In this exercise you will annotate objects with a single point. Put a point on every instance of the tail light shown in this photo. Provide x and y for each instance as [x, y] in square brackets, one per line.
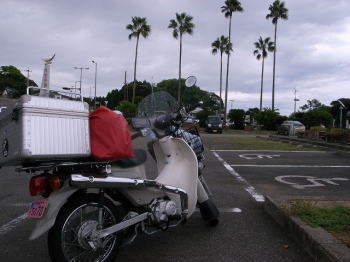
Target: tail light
[37, 185]
[55, 183]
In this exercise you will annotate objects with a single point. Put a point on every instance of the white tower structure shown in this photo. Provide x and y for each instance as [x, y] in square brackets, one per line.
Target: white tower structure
[45, 83]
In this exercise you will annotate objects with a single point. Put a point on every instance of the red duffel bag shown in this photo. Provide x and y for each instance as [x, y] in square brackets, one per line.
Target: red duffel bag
[109, 135]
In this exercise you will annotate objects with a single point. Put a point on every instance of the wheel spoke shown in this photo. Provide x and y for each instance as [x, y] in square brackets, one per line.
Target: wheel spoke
[80, 222]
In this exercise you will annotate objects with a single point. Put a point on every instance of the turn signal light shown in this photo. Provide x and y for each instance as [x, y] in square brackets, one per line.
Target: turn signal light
[55, 183]
[37, 185]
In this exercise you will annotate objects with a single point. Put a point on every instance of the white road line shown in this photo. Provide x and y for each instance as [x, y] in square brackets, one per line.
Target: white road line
[279, 151]
[291, 166]
[247, 187]
[12, 224]
[226, 210]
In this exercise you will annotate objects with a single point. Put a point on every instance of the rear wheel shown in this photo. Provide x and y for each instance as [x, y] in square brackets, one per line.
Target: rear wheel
[67, 239]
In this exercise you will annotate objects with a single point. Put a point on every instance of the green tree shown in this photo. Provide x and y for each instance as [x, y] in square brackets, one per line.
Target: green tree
[221, 45]
[11, 77]
[277, 11]
[128, 109]
[228, 9]
[317, 117]
[181, 25]
[192, 95]
[115, 96]
[263, 46]
[237, 116]
[138, 27]
[269, 119]
[252, 112]
[311, 105]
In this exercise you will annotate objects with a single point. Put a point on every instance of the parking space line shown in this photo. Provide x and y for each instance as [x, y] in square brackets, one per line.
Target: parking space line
[226, 210]
[291, 166]
[247, 187]
[278, 151]
[12, 224]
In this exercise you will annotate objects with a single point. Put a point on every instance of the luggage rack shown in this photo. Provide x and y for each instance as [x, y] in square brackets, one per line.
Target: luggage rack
[104, 167]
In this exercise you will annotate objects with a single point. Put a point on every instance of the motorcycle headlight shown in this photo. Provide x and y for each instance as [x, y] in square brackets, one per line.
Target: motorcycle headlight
[220, 125]
[209, 125]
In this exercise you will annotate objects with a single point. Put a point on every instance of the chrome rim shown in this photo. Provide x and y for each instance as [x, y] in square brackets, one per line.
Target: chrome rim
[80, 223]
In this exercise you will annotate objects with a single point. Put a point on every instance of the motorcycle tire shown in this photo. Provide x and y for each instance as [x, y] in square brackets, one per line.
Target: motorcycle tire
[72, 223]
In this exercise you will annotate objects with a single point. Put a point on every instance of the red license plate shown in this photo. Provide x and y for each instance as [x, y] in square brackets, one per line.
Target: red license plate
[37, 208]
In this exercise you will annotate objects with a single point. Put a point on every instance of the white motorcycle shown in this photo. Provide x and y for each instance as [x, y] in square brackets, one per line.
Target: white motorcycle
[91, 209]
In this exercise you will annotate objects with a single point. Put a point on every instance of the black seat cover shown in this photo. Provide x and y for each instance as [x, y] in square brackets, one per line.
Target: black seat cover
[139, 158]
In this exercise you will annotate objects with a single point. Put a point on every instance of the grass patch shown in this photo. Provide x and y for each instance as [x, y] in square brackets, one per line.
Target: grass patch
[251, 143]
[334, 219]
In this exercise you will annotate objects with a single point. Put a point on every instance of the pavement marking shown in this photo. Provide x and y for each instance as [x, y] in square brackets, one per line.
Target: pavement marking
[226, 210]
[291, 166]
[257, 156]
[277, 151]
[247, 187]
[311, 180]
[12, 224]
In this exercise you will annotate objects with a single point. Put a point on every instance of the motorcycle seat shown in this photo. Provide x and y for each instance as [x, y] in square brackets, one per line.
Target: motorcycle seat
[140, 157]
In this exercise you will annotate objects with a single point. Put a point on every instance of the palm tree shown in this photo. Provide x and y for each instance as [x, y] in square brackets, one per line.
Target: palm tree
[138, 27]
[263, 46]
[182, 25]
[222, 45]
[277, 11]
[228, 9]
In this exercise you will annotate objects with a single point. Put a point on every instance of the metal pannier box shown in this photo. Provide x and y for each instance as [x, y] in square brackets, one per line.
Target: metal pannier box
[43, 129]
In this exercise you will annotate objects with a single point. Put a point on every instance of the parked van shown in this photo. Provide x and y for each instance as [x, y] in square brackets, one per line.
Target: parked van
[214, 124]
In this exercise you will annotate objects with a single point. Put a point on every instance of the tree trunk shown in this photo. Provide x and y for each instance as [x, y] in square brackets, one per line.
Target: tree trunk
[221, 76]
[227, 70]
[179, 91]
[262, 83]
[134, 85]
[274, 69]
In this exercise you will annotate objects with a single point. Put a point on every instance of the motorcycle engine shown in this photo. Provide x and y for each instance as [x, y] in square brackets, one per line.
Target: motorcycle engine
[163, 209]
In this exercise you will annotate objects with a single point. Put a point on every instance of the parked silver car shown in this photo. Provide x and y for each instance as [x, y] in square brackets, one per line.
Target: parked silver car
[289, 127]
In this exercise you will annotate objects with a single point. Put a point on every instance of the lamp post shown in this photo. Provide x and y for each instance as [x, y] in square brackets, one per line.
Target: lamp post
[342, 106]
[94, 62]
[81, 74]
[231, 100]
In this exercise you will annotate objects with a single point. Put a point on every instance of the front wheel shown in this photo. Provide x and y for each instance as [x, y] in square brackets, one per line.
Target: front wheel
[67, 239]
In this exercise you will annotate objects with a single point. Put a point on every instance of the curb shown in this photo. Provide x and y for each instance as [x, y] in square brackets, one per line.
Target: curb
[317, 242]
[340, 149]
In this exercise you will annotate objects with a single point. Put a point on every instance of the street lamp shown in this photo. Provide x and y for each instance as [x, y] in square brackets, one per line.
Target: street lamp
[81, 74]
[342, 106]
[94, 62]
[231, 100]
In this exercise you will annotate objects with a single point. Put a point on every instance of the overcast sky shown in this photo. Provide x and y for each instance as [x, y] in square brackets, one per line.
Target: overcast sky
[313, 46]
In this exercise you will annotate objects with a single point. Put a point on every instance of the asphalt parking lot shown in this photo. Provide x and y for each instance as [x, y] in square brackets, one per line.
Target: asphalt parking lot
[280, 174]
[239, 181]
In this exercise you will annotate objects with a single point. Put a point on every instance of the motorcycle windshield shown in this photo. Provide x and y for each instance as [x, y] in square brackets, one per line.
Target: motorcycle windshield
[157, 104]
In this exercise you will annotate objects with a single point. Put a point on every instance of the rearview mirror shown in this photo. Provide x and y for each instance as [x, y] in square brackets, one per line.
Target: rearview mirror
[190, 81]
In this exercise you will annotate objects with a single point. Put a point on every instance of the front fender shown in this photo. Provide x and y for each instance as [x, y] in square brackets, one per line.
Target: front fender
[56, 200]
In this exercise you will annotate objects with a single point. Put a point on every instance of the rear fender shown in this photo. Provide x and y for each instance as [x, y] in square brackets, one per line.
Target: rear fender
[56, 200]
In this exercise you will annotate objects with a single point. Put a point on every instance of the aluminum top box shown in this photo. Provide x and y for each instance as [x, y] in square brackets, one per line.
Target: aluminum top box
[44, 129]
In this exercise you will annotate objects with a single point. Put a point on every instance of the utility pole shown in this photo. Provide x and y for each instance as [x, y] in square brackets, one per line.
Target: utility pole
[295, 101]
[81, 75]
[28, 71]
[94, 62]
